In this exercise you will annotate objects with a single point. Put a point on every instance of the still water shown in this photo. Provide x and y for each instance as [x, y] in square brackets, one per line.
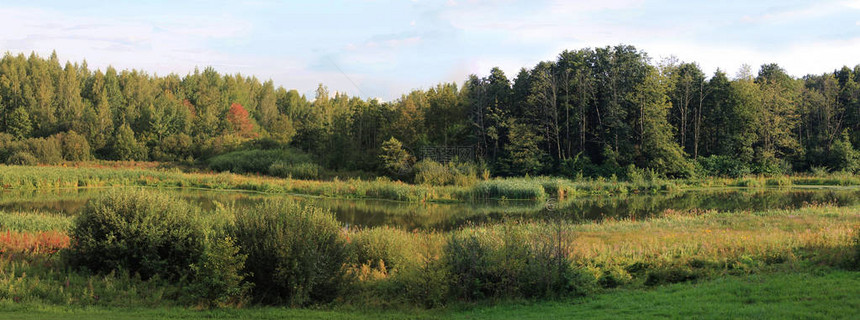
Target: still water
[447, 216]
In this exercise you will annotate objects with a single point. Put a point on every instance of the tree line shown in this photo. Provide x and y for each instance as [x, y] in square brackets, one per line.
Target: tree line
[591, 112]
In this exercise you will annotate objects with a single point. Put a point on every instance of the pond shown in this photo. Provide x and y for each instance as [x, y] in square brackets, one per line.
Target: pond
[447, 216]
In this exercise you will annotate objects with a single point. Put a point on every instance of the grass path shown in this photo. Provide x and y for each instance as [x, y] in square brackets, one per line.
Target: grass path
[829, 294]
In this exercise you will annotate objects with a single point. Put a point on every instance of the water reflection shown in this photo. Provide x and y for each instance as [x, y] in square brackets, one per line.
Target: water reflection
[444, 216]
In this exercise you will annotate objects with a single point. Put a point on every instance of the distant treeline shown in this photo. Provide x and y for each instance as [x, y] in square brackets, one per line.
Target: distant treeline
[592, 112]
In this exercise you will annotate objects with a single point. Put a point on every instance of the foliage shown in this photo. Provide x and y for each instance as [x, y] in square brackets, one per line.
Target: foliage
[511, 263]
[125, 145]
[22, 158]
[717, 165]
[75, 147]
[395, 159]
[295, 253]
[846, 158]
[431, 172]
[218, 277]
[144, 233]
[240, 121]
[276, 162]
[590, 112]
[19, 124]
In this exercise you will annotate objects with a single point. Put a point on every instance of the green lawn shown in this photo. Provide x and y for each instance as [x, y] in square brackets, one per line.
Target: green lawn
[825, 295]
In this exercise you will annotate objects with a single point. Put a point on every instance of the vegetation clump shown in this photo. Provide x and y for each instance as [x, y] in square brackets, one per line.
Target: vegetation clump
[296, 254]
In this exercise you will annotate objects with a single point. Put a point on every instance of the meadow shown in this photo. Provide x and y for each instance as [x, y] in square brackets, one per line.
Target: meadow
[56, 265]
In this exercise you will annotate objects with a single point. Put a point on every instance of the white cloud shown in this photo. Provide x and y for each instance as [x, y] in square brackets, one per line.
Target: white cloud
[161, 45]
[854, 4]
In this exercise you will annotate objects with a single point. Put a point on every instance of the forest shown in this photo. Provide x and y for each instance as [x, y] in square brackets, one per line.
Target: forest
[590, 113]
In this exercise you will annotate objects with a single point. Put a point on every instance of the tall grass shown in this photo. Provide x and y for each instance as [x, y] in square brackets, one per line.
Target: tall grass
[540, 188]
[512, 189]
[298, 255]
[34, 222]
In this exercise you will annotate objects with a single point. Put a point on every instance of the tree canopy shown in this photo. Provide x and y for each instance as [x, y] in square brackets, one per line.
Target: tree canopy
[589, 112]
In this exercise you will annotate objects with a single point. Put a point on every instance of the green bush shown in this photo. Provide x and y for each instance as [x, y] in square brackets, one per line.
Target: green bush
[382, 246]
[432, 173]
[22, 158]
[296, 254]
[218, 278]
[511, 263]
[454, 173]
[75, 147]
[276, 162]
[139, 232]
[724, 166]
[47, 150]
[174, 147]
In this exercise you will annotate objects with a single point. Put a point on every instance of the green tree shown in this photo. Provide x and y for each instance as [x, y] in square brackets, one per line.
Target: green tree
[655, 141]
[126, 146]
[846, 158]
[395, 159]
[18, 123]
[777, 117]
[75, 147]
[282, 129]
[524, 154]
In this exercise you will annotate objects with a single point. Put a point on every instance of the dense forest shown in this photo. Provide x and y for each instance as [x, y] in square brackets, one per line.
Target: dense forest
[591, 112]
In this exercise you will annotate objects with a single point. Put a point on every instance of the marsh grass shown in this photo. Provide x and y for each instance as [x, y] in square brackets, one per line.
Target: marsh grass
[536, 188]
[34, 222]
[389, 267]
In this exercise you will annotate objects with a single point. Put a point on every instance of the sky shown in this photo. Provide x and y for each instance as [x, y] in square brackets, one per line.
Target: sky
[383, 49]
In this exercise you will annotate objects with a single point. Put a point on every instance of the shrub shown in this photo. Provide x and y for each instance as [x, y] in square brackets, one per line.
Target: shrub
[139, 232]
[172, 148]
[75, 147]
[511, 263]
[296, 254]
[218, 277]
[819, 171]
[433, 173]
[22, 158]
[427, 284]
[614, 277]
[718, 165]
[47, 150]
[454, 173]
[382, 247]
[278, 162]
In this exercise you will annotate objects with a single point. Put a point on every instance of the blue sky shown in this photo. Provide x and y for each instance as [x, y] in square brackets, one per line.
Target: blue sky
[376, 48]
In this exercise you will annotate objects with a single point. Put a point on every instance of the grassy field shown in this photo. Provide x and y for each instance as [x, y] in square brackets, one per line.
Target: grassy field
[825, 294]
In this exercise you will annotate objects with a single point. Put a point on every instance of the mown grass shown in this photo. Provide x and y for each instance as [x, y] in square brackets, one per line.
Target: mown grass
[823, 294]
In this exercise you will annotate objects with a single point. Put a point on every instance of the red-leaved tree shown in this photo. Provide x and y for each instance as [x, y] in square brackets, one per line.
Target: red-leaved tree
[241, 121]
